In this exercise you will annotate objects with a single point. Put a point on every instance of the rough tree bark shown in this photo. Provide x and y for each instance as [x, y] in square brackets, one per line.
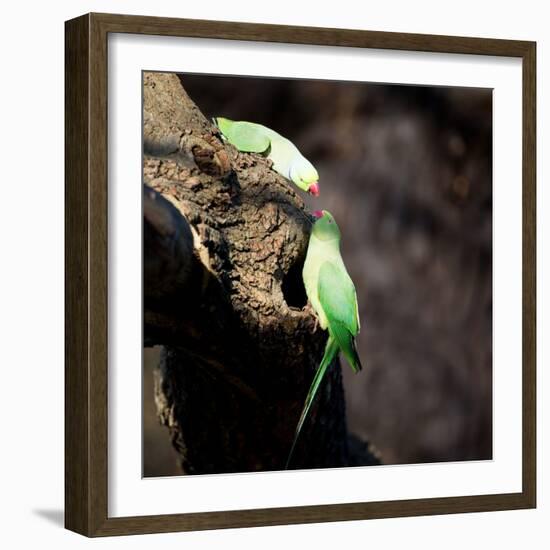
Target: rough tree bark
[225, 239]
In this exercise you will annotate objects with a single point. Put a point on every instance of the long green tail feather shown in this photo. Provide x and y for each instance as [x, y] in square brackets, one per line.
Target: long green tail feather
[331, 349]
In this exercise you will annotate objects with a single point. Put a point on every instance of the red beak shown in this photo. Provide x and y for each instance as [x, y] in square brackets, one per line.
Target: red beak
[318, 213]
[314, 189]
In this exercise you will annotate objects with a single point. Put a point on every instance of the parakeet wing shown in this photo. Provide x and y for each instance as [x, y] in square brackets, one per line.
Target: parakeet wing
[248, 137]
[339, 302]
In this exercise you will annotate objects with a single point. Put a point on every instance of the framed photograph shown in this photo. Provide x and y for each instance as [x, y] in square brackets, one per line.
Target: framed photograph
[300, 275]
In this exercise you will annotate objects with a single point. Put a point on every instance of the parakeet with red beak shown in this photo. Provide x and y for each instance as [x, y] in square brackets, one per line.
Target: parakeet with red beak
[287, 159]
[332, 295]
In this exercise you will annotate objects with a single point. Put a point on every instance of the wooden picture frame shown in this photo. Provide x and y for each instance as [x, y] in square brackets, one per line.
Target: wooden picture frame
[86, 283]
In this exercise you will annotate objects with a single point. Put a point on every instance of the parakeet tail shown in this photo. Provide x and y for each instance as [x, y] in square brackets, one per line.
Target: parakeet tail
[331, 349]
[223, 124]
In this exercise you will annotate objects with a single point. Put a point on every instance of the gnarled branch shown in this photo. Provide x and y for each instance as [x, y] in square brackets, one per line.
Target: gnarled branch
[240, 343]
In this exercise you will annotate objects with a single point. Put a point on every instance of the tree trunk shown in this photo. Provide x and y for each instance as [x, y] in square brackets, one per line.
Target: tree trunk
[225, 239]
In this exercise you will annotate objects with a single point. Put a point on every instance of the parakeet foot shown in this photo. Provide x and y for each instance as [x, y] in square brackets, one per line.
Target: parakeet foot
[308, 308]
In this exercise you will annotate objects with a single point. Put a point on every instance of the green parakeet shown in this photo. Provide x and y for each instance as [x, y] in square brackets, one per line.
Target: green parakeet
[287, 159]
[332, 295]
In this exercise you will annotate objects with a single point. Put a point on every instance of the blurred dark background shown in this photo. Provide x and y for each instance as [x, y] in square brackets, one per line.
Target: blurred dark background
[406, 171]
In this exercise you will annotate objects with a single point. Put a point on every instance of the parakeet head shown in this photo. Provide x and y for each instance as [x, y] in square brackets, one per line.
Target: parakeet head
[304, 175]
[325, 228]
